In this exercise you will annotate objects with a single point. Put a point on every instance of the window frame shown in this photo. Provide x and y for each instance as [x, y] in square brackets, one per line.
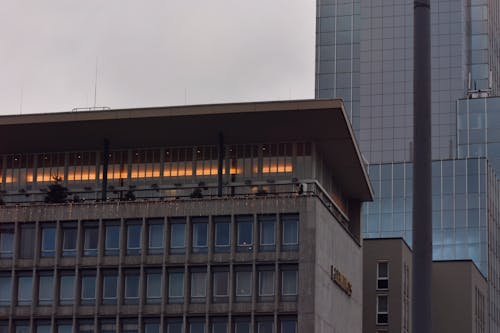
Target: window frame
[20, 301]
[45, 301]
[151, 223]
[174, 299]
[382, 313]
[48, 253]
[107, 299]
[219, 221]
[381, 279]
[108, 250]
[87, 277]
[66, 301]
[132, 224]
[266, 220]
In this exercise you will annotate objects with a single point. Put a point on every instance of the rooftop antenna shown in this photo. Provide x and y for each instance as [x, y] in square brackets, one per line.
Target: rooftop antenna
[95, 84]
[21, 100]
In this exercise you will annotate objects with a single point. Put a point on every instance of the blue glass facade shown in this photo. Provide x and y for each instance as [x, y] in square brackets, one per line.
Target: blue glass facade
[460, 207]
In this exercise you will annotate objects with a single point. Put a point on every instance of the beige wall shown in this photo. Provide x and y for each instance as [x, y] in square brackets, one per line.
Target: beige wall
[454, 286]
[397, 254]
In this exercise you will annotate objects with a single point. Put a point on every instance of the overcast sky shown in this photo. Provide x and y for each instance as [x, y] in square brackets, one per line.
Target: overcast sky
[153, 52]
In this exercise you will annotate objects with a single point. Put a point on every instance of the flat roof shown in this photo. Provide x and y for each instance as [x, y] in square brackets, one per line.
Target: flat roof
[322, 121]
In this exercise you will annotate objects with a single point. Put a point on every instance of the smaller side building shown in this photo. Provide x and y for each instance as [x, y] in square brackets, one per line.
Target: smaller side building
[459, 291]
[386, 285]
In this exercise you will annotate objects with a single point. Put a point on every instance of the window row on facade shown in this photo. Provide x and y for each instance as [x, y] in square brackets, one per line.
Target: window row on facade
[195, 284]
[239, 324]
[175, 163]
[220, 234]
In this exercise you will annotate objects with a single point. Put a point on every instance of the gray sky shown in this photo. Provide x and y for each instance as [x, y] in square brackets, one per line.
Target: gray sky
[153, 52]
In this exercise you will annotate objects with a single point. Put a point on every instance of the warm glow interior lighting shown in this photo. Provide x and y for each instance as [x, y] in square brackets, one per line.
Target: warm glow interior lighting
[280, 168]
[116, 172]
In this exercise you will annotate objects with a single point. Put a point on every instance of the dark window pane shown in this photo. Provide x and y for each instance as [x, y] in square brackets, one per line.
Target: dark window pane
[24, 290]
[200, 237]
[155, 238]
[69, 242]
[222, 236]
[134, 234]
[112, 242]
[109, 293]
[177, 237]
[45, 289]
[5, 290]
[91, 235]
[27, 242]
[48, 241]
[66, 289]
[153, 291]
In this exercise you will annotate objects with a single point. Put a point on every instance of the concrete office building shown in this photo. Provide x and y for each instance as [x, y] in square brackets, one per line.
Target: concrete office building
[217, 218]
[459, 290]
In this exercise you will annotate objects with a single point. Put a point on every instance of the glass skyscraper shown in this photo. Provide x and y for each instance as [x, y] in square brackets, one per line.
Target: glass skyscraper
[465, 37]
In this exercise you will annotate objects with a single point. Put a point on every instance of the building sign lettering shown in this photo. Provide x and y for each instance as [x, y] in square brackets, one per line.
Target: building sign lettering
[340, 280]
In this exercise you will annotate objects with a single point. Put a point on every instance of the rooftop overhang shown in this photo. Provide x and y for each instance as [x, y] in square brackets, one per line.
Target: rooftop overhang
[322, 121]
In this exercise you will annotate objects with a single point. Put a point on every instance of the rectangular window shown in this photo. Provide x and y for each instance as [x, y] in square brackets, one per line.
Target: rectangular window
[267, 224]
[244, 228]
[242, 325]
[198, 287]
[86, 326]
[6, 243]
[155, 236]
[43, 327]
[109, 288]
[107, 326]
[289, 282]
[382, 275]
[222, 233]
[200, 234]
[265, 326]
[112, 240]
[151, 326]
[88, 288]
[91, 235]
[24, 289]
[27, 242]
[288, 325]
[131, 288]
[64, 327]
[45, 289]
[22, 327]
[174, 326]
[134, 236]
[266, 283]
[66, 289]
[290, 232]
[48, 241]
[243, 285]
[176, 287]
[177, 236]
[69, 241]
[220, 288]
[219, 325]
[197, 327]
[5, 290]
[382, 310]
[129, 326]
[153, 287]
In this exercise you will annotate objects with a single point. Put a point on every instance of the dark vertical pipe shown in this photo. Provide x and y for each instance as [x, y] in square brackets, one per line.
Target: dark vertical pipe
[422, 193]
[105, 163]
[221, 164]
